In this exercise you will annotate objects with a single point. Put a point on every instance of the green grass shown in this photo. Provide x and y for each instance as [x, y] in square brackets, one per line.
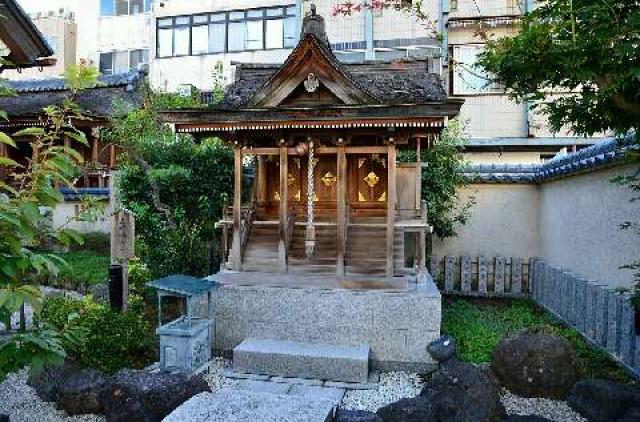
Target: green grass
[479, 325]
[84, 269]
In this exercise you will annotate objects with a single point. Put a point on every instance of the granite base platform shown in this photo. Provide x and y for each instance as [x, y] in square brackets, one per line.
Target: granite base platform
[396, 324]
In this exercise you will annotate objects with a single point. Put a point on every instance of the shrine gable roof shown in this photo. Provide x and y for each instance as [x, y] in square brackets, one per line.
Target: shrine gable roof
[312, 67]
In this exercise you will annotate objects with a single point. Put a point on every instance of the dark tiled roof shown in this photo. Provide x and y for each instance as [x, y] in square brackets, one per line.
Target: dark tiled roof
[183, 285]
[33, 95]
[385, 81]
[131, 78]
[598, 155]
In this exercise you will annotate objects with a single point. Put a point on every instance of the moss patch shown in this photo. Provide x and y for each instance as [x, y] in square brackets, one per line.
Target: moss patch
[478, 325]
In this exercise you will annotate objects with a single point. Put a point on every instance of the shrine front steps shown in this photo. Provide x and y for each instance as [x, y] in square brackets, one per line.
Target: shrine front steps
[284, 358]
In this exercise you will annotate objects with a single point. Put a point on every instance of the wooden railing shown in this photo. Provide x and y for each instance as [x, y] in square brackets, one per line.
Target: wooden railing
[246, 222]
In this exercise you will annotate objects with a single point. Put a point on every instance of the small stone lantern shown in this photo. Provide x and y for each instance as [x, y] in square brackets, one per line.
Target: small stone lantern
[185, 343]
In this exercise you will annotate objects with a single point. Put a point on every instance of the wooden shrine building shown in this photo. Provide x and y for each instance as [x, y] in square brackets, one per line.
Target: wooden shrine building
[328, 196]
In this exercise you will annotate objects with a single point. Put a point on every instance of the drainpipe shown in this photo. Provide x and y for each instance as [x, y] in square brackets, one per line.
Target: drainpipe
[528, 6]
[369, 53]
[299, 14]
[444, 31]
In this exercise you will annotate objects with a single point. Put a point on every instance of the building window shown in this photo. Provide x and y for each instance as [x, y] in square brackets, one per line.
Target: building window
[122, 61]
[124, 7]
[467, 77]
[240, 30]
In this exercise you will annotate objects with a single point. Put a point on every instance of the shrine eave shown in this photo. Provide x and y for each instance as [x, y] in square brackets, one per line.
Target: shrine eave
[333, 117]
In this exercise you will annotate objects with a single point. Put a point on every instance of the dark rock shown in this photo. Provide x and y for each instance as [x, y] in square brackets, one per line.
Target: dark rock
[47, 382]
[5, 418]
[462, 391]
[416, 409]
[632, 415]
[143, 396]
[443, 348]
[604, 400]
[81, 393]
[533, 364]
[525, 418]
[356, 416]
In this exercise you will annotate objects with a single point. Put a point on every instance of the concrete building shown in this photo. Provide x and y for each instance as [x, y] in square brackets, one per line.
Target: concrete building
[59, 30]
[192, 38]
[197, 43]
[114, 35]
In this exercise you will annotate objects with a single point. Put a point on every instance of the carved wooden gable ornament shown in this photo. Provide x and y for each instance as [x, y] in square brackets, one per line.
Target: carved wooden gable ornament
[311, 68]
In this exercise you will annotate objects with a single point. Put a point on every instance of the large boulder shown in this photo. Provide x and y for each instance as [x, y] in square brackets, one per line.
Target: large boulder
[80, 394]
[604, 400]
[458, 391]
[464, 392]
[525, 418]
[147, 397]
[344, 415]
[536, 364]
[47, 382]
[415, 409]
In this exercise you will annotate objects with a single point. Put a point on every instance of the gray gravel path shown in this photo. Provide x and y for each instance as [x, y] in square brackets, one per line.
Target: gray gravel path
[22, 404]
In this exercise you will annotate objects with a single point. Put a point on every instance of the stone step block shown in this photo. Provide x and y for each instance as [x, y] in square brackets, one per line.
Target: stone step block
[304, 360]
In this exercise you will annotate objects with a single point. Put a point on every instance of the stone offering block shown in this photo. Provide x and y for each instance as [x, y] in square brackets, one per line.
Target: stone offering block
[301, 359]
[242, 406]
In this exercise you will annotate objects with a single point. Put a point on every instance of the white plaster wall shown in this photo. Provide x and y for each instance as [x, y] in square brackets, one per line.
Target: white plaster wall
[64, 213]
[489, 116]
[504, 222]
[579, 218]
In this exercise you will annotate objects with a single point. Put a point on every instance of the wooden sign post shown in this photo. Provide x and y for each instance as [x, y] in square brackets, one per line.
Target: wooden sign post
[123, 230]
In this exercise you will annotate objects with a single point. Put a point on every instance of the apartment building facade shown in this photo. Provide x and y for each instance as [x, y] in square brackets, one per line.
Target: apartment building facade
[186, 43]
[60, 31]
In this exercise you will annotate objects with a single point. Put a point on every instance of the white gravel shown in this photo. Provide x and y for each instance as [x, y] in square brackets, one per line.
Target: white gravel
[393, 387]
[556, 410]
[214, 374]
[22, 404]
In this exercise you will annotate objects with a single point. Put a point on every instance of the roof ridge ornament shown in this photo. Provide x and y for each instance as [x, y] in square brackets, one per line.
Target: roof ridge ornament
[314, 24]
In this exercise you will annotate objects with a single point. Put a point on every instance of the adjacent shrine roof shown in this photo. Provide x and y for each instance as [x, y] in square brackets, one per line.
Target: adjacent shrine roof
[313, 89]
[33, 95]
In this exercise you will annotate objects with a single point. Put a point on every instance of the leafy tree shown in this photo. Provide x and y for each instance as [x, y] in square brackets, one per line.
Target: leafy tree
[175, 186]
[23, 194]
[442, 178]
[585, 49]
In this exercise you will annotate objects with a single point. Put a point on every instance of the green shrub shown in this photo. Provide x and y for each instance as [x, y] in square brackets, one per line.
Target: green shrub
[83, 269]
[113, 340]
[96, 242]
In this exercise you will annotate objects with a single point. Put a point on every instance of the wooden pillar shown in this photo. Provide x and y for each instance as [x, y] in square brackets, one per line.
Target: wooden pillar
[284, 194]
[418, 174]
[423, 235]
[112, 156]
[236, 253]
[391, 203]
[342, 207]
[94, 150]
[262, 180]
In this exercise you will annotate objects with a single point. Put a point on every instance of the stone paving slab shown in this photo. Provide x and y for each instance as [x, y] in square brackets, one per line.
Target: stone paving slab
[249, 406]
[263, 387]
[335, 395]
[292, 380]
[241, 375]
